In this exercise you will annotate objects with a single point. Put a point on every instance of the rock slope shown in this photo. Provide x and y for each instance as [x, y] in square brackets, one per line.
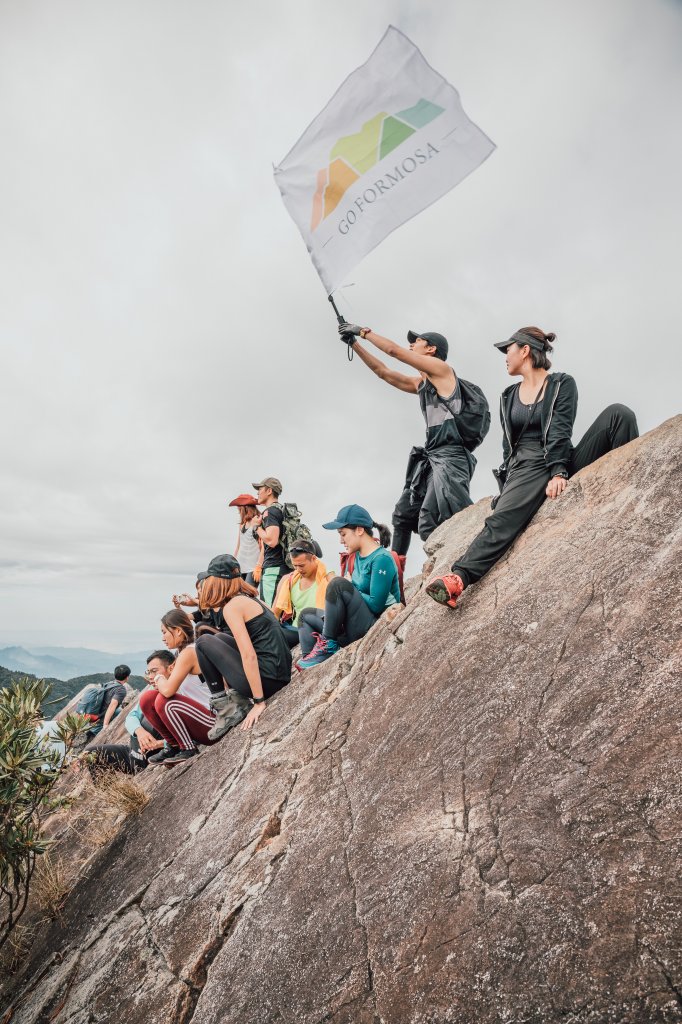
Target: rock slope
[469, 816]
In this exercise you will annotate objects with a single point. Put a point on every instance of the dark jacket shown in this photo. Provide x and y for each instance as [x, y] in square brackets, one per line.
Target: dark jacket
[557, 416]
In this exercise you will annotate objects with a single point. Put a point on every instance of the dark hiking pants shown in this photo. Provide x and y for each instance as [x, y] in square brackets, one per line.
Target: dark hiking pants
[524, 490]
[221, 664]
[436, 488]
[346, 617]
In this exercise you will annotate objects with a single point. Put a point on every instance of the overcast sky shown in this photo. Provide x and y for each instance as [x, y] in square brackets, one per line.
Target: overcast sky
[165, 338]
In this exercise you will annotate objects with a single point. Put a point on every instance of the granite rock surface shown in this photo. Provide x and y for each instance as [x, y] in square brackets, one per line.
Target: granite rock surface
[469, 816]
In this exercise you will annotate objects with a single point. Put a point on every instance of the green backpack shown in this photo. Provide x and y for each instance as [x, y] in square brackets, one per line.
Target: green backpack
[292, 528]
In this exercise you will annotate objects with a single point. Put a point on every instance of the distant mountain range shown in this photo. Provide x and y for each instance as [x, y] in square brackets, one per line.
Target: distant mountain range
[66, 662]
[61, 690]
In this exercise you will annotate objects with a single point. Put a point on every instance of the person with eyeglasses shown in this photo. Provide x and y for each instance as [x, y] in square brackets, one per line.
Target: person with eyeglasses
[305, 587]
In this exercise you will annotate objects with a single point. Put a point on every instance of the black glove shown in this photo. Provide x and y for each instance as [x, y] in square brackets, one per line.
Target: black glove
[345, 328]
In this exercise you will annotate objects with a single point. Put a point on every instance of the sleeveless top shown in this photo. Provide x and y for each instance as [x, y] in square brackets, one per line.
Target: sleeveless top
[249, 549]
[194, 688]
[267, 637]
[439, 414]
[520, 414]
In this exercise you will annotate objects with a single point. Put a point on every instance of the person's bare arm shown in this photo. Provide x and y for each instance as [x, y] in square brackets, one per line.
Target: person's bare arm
[185, 664]
[397, 380]
[234, 617]
[109, 713]
[436, 369]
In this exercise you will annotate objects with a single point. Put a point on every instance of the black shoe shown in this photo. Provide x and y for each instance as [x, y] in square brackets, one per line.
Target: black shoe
[178, 756]
[162, 755]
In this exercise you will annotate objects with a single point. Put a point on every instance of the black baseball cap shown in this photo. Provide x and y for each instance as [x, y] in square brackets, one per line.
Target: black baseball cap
[437, 340]
[225, 567]
[521, 338]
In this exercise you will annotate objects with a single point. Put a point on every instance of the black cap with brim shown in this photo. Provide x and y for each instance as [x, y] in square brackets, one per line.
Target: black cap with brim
[433, 338]
[225, 567]
[202, 576]
[521, 338]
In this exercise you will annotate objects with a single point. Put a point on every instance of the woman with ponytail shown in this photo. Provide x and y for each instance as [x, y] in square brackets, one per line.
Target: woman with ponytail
[178, 701]
[352, 606]
[537, 418]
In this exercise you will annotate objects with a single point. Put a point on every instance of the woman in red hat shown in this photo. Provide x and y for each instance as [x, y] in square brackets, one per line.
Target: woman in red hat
[249, 549]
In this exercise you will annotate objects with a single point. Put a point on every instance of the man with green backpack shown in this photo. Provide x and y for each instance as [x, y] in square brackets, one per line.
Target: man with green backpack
[279, 527]
[457, 420]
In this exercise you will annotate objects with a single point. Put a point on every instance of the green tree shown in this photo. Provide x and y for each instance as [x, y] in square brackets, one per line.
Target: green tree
[30, 766]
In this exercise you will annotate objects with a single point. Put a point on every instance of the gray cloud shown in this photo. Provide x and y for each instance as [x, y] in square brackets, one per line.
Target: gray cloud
[165, 338]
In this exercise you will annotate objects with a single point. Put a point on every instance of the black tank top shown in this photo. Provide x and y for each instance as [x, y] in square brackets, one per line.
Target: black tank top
[519, 415]
[439, 414]
[267, 637]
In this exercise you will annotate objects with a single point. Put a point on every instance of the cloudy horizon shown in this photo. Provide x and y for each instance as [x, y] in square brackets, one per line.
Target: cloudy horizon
[166, 340]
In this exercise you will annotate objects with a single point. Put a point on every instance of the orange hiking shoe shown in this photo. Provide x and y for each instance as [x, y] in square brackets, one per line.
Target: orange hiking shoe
[445, 589]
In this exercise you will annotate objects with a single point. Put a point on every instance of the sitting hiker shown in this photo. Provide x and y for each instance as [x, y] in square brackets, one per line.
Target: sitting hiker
[269, 529]
[178, 702]
[352, 606]
[249, 660]
[144, 741]
[457, 420]
[305, 587]
[249, 550]
[103, 703]
[537, 418]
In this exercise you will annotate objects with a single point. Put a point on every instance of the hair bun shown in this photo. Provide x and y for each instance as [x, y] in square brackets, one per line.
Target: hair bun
[550, 339]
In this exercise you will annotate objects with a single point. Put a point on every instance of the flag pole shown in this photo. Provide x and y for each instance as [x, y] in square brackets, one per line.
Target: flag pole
[346, 337]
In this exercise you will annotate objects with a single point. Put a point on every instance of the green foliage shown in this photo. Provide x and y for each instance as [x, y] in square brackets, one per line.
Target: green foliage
[29, 769]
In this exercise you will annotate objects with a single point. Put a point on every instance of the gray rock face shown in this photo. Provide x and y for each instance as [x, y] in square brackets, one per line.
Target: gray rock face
[469, 816]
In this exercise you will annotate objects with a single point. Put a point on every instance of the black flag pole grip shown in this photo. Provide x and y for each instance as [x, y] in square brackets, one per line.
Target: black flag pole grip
[347, 337]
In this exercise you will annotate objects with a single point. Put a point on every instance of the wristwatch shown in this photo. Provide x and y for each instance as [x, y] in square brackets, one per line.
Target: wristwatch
[258, 700]
[364, 332]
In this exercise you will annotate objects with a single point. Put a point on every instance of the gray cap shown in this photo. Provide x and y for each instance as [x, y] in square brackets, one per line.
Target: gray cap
[521, 338]
[272, 482]
[437, 340]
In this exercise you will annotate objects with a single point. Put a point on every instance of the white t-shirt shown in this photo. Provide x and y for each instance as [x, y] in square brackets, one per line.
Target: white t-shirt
[249, 550]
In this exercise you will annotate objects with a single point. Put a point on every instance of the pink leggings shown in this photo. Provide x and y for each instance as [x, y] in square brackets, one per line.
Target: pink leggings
[181, 721]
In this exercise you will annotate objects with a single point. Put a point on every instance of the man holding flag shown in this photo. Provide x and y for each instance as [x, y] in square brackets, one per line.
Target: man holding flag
[456, 416]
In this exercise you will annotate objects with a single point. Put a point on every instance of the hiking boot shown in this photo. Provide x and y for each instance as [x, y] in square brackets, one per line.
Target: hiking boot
[181, 755]
[163, 755]
[231, 709]
[445, 589]
[324, 648]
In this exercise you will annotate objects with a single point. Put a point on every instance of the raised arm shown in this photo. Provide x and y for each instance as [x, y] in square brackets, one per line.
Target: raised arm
[185, 664]
[397, 380]
[439, 372]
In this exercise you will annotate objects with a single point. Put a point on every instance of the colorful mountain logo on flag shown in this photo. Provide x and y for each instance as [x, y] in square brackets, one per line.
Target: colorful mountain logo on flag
[354, 155]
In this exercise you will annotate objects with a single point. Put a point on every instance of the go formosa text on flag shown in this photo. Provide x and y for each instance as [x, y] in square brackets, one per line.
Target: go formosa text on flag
[392, 140]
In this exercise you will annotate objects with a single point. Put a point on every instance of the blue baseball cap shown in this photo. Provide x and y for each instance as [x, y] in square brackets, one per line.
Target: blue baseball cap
[350, 515]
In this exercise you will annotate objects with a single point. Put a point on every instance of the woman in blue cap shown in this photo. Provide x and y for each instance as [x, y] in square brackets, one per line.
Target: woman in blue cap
[537, 417]
[352, 606]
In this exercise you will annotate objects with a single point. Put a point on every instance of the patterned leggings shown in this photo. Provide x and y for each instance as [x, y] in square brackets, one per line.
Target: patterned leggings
[181, 721]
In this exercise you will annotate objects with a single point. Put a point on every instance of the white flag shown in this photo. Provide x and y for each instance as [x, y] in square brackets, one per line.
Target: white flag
[392, 140]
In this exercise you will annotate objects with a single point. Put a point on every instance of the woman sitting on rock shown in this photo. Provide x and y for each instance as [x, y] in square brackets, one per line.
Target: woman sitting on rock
[537, 417]
[351, 606]
[249, 659]
[178, 706]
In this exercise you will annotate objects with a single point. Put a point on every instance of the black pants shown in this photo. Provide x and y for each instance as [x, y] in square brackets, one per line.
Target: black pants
[346, 616]
[290, 634]
[436, 488]
[524, 490]
[221, 665]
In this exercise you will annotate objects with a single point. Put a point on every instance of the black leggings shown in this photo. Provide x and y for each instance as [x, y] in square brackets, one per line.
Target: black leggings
[524, 490]
[115, 756]
[221, 665]
[346, 618]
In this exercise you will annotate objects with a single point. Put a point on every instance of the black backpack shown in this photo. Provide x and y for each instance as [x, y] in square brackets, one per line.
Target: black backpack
[473, 422]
